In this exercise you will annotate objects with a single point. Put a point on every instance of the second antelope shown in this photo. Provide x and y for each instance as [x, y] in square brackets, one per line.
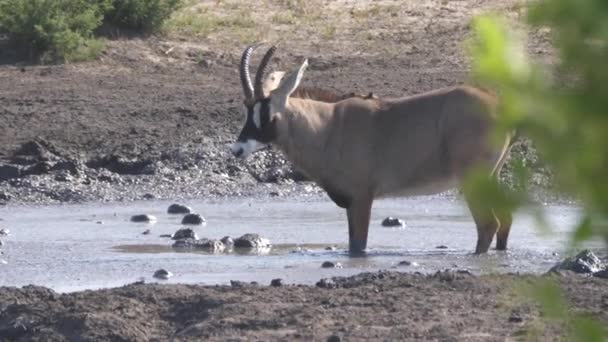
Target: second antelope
[360, 149]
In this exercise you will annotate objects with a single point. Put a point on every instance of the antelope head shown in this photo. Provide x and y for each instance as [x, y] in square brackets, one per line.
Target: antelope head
[264, 101]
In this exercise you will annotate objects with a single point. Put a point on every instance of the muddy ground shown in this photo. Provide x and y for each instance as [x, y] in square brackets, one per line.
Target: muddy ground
[382, 306]
[151, 118]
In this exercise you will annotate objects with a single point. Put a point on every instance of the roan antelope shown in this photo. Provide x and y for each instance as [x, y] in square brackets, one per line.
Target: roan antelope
[360, 149]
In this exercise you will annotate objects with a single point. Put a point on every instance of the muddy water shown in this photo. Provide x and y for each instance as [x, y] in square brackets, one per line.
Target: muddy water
[74, 247]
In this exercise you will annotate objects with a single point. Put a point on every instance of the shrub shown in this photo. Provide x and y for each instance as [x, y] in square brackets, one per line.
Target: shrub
[141, 15]
[53, 29]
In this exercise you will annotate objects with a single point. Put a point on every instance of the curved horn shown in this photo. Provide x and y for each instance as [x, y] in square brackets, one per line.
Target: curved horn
[262, 69]
[244, 71]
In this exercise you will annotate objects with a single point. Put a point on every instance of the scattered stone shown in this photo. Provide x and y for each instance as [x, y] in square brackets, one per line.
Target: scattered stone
[146, 232]
[184, 233]
[583, 262]
[237, 283]
[194, 219]
[515, 317]
[407, 263]
[329, 264]
[202, 244]
[393, 222]
[4, 232]
[178, 209]
[334, 338]
[149, 196]
[13, 332]
[251, 241]
[326, 284]
[227, 241]
[442, 247]
[143, 218]
[601, 274]
[278, 282]
[162, 274]
[8, 171]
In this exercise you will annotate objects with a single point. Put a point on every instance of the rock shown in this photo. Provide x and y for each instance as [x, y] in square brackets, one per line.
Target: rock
[330, 248]
[407, 263]
[442, 247]
[601, 274]
[120, 165]
[146, 232]
[13, 332]
[251, 241]
[583, 262]
[278, 282]
[329, 264]
[237, 283]
[162, 274]
[202, 244]
[326, 284]
[334, 338]
[165, 235]
[143, 218]
[40, 168]
[393, 222]
[184, 233]
[195, 219]
[515, 317]
[1, 243]
[178, 209]
[4, 232]
[227, 241]
[69, 166]
[148, 196]
[8, 171]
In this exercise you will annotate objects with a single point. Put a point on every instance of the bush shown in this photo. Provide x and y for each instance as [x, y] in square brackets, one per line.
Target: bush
[141, 15]
[53, 29]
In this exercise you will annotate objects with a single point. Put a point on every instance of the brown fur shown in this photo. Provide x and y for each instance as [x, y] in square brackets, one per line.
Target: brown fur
[324, 95]
[359, 150]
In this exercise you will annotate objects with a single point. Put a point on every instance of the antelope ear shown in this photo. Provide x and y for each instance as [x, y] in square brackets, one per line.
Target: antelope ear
[289, 84]
[272, 82]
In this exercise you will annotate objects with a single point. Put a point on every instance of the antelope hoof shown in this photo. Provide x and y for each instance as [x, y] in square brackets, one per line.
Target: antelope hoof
[357, 248]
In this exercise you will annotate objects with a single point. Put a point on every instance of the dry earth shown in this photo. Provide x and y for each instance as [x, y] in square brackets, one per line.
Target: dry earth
[152, 116]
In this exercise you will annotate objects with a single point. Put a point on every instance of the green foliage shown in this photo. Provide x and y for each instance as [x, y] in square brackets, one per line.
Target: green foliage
[141, 15]
[53, 29]
[566, 117]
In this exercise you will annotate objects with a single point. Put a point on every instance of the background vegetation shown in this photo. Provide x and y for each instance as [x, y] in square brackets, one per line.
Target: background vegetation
[52, 30]
[563, 108]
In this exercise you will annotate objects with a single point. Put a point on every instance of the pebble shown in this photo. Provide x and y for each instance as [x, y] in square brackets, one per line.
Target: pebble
[178, 209]
[184, 233]
[143, 218]
[407, 263]
[278, 282]
[326, 284]
[163, 274]
[393, 222]
[334, 338]
[329, 264]
[193, 219]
